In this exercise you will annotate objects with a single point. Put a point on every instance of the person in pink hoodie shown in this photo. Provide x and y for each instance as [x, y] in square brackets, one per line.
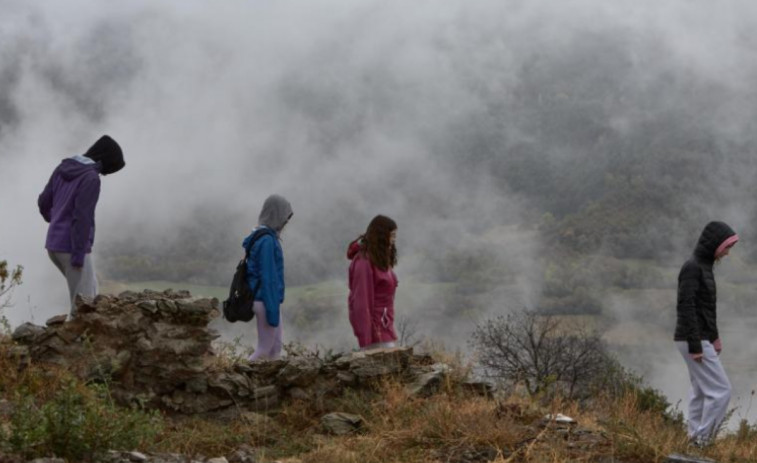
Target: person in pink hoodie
[373, 284]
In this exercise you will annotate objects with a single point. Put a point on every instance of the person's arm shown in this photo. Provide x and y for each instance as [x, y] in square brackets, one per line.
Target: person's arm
[717, 343]
[45, 200]
[688, 285]
[361, 300]
[268, 291]
[85, 200]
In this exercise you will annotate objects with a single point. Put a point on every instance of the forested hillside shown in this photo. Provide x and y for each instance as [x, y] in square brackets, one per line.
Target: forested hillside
[607, 148]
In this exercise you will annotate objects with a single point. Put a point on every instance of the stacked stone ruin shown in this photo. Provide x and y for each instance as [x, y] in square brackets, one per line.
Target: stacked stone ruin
[156, 348]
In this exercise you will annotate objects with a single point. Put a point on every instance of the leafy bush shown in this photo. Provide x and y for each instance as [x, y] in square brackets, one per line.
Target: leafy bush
[616, 381]
[79, 423]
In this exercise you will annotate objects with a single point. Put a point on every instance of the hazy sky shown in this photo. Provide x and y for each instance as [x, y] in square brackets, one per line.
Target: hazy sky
[336, 105]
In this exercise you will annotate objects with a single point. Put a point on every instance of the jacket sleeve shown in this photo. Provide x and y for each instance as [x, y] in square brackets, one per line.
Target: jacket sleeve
[250, 262]
[268, 291]
[83, 218]
[45, 200]
[688, 284]
[361, 300]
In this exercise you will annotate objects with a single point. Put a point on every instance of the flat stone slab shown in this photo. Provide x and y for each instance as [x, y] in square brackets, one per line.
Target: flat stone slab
[27, 332]
[56, 320]
[678, 458]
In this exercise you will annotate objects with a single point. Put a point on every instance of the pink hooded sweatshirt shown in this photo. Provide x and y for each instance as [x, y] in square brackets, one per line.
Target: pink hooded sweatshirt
[371, 299]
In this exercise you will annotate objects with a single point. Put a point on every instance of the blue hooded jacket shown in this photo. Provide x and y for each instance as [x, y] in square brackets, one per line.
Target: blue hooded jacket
[266, 266]
[266, 262]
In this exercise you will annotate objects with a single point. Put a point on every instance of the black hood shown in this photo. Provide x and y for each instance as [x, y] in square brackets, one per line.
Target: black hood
[712, 236]
[107, 152]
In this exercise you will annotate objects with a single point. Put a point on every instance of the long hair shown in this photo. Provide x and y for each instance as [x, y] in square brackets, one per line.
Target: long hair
[376, 245]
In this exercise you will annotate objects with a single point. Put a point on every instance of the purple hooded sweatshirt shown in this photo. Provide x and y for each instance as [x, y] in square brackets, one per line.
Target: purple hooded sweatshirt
[68, 204]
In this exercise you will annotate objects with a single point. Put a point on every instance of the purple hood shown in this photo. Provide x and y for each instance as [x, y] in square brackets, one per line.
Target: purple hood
[68, 204]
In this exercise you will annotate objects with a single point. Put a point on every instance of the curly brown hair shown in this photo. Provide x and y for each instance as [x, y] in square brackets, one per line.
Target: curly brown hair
[375, 243]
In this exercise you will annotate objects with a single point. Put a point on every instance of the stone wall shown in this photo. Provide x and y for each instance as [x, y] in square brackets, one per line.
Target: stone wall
[156, 348]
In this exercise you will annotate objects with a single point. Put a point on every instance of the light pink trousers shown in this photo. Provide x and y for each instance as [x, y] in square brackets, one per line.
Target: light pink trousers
[269, 337]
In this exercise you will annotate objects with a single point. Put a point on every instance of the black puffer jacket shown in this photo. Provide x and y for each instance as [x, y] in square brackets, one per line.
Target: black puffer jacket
[697, 296]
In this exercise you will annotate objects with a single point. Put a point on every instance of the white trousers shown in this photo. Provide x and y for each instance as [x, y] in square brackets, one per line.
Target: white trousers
[80, 280]
[710, 392]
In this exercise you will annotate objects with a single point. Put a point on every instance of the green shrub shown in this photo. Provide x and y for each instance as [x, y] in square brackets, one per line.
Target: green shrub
[25, 433]
[617, 382]
[79, 423]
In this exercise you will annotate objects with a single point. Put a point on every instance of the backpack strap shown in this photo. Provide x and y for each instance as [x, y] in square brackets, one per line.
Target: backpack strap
[255, 236]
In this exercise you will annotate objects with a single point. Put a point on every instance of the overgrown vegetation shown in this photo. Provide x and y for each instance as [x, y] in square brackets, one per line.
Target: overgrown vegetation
[78, 423]
[456, 426]
[52, 413]
[49, 412]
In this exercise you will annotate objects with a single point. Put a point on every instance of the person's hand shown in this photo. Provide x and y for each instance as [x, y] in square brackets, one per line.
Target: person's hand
[697, 357]
[77, 262]
[718, 345]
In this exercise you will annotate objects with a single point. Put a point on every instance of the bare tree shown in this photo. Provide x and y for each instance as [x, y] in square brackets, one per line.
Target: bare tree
[540, 351]
[9, 279]
[407, 330]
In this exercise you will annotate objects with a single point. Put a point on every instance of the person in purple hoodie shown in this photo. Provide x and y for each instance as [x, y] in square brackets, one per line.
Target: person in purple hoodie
[68, 204]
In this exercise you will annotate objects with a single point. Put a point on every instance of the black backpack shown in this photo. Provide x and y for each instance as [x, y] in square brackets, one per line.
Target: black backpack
[238, 307]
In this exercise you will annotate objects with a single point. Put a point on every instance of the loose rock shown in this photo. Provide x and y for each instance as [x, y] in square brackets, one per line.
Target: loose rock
[339, 423]
[677, 458]
[56, 320]
[429, 380]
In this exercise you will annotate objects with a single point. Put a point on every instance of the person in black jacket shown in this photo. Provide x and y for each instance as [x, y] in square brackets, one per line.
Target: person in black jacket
[697, 335]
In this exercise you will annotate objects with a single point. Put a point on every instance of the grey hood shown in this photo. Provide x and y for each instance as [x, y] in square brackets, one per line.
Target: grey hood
[276, 212]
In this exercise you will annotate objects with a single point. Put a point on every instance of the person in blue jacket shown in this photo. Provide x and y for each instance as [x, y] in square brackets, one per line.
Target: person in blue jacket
[265, 271]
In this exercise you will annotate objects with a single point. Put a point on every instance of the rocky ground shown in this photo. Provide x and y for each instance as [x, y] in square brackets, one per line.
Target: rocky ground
[155, 349]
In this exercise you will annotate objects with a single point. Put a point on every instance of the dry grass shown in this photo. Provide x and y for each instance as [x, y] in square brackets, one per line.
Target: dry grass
[451, 426]
[196, 436]
[41, 382]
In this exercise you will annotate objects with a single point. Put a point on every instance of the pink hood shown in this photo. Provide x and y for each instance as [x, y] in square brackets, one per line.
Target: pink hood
[353, 249]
